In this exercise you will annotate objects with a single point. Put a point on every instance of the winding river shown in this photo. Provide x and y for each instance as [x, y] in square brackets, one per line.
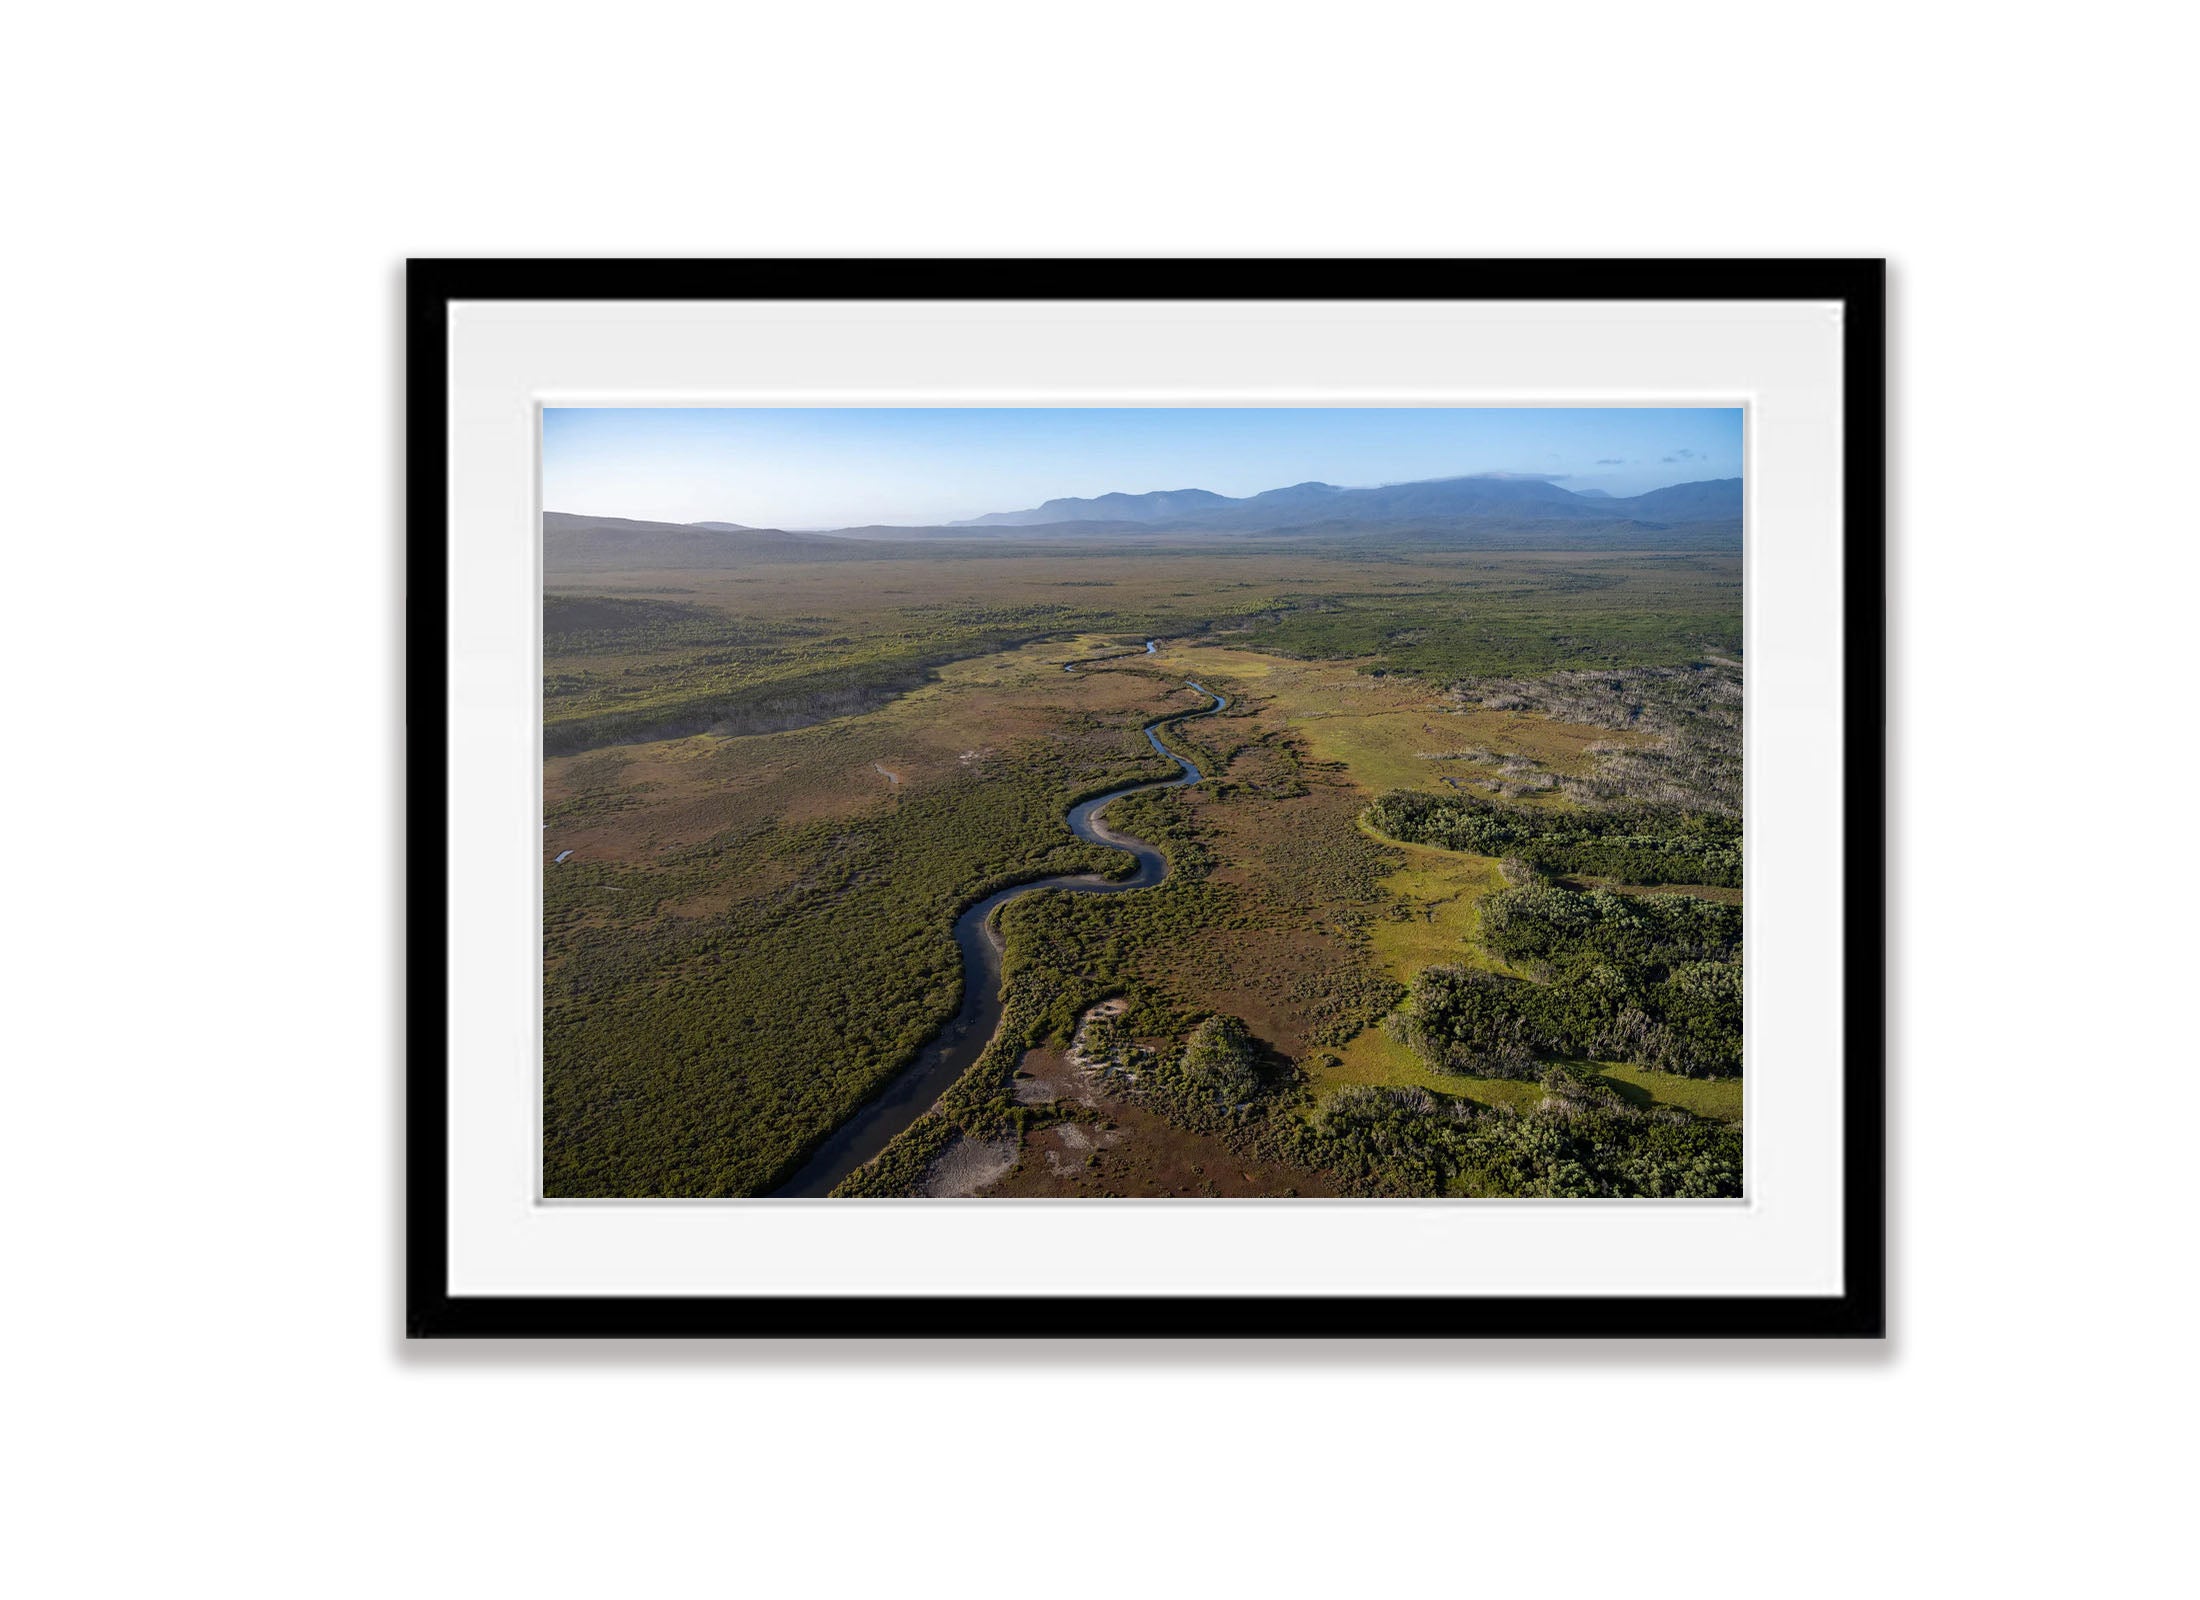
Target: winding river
[951, 1052]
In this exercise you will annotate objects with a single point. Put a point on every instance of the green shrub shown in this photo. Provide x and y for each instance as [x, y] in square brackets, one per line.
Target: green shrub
[1222, 1060]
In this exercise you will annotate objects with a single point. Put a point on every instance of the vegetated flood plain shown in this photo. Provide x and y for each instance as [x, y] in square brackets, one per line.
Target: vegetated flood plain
[1436, 878]
[956, 1047]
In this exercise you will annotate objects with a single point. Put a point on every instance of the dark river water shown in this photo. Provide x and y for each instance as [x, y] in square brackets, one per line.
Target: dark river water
[952, 1050]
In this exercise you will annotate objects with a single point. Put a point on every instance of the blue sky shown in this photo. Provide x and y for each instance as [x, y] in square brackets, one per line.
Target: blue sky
[831, 468]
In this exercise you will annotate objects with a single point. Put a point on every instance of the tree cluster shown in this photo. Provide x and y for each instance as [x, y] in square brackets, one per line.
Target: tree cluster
[1627, 844]
[1581, 1141]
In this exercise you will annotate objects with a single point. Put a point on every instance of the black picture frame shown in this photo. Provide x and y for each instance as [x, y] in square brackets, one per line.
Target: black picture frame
[1859, 1311]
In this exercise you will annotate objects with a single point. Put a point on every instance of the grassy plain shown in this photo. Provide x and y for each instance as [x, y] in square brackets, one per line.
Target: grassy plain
[780, 784]
[633, 654]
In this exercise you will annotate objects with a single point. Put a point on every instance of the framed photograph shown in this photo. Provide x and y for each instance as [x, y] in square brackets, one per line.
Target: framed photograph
[1188, 798]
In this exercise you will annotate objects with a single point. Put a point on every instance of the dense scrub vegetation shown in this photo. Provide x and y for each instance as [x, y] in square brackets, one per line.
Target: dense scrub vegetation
[702, 1054]
[1628, 844]
[1565, 930]
[1655, 980]
[1580, 1141]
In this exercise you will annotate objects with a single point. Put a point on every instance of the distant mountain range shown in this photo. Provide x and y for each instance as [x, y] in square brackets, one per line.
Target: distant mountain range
[1509, 496]
[1493, 511]
[1162, 505]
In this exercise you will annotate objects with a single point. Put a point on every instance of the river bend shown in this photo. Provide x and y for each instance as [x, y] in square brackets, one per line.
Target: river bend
[956, 1047]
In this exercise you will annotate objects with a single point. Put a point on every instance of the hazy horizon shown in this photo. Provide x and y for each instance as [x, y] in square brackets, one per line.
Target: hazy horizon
[850, 466]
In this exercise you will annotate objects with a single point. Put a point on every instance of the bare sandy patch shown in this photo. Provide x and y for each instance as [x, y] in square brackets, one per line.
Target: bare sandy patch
[966, 1166]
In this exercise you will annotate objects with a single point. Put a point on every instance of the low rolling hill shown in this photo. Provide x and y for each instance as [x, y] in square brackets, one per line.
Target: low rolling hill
[574, 544]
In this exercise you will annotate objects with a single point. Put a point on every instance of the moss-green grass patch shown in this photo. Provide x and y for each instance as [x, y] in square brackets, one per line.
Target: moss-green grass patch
[1719, 1098]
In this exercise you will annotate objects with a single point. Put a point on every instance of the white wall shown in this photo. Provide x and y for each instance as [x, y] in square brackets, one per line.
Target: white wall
[209, 205]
